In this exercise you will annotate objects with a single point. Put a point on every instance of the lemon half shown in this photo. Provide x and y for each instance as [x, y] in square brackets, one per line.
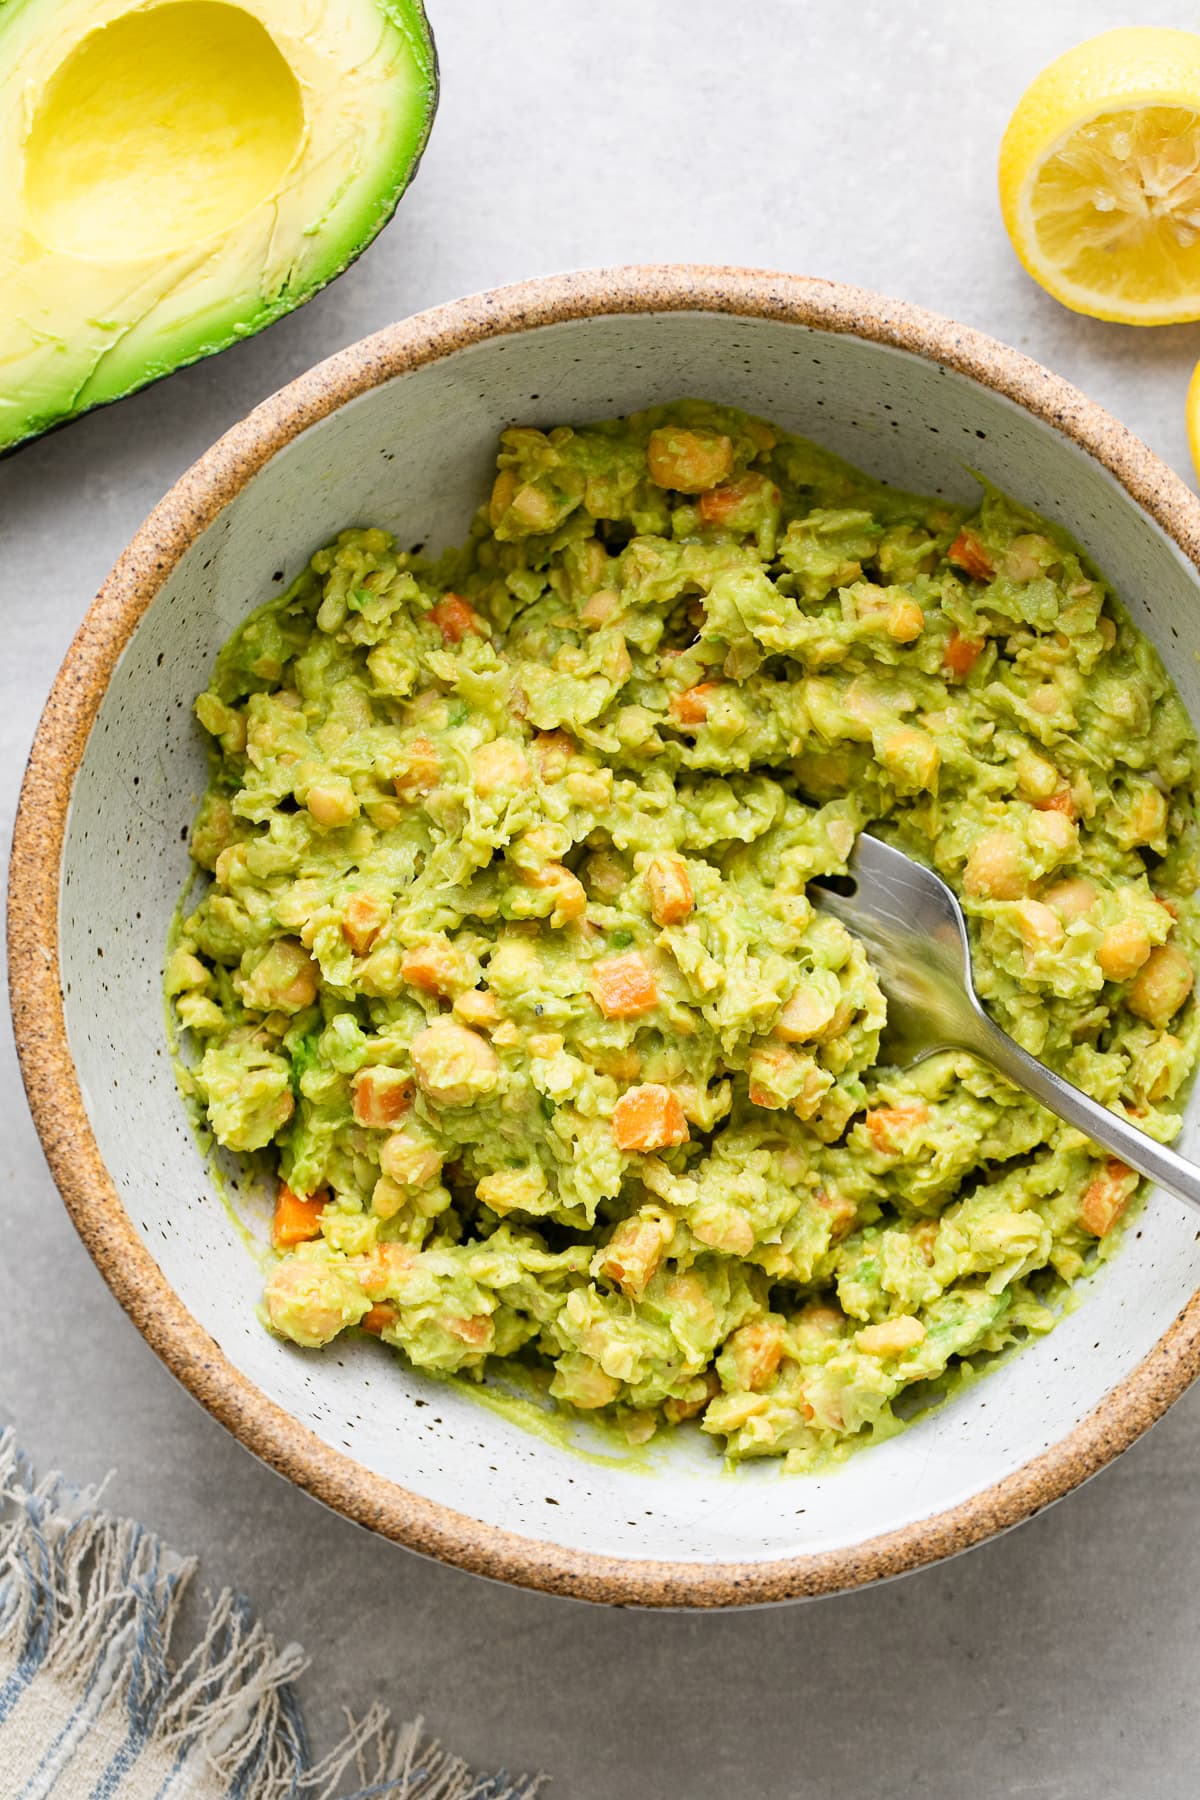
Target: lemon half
[1100, 177]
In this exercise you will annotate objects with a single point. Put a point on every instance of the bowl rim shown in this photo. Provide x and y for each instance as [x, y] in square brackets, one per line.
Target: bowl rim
[47, 1066]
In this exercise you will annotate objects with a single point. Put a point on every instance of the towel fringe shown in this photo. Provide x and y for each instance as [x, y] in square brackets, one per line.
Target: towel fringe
[75, 1579]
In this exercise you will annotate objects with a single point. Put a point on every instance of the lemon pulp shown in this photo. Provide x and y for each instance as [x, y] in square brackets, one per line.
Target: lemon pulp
[1116, 208]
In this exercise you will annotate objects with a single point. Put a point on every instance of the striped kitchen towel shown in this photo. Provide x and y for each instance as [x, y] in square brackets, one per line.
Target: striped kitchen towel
[99, 1702]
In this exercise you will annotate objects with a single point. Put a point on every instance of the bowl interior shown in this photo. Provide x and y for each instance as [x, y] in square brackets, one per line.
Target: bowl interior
[413, 455]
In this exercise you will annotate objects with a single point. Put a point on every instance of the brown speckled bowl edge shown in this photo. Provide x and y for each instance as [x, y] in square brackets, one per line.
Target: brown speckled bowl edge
[47, 1065]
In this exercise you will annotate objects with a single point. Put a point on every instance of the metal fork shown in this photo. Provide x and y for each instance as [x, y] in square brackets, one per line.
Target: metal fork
[913, 930]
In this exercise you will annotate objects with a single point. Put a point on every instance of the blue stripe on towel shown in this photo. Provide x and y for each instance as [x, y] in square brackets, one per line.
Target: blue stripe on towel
[91, 1602]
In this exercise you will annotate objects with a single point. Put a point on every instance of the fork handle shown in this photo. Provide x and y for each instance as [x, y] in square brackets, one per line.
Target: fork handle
[1171, 1171]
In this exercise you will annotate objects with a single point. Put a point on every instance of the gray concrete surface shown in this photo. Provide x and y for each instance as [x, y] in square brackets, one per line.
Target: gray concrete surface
[855, 141]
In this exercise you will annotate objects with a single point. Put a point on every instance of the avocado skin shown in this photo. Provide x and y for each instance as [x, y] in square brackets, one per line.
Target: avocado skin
[407, 15]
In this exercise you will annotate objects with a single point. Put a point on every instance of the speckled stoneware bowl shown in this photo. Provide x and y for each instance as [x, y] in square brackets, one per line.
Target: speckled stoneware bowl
[399, 431]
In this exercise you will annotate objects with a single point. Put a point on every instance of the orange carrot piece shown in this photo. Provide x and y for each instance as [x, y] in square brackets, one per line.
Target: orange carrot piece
[648, 1118]
[669, 889]
[719, 504]
[961, 654]
[691, 707]
[380, 1096]
[377, 1318]
[297, 1217]
[552, 751]
[623, 986]
[888, 1124]
[1062, 801]
[967, 553]
[422, 771]
[363, 918]
[476, 1331]
[429, 967]
[455, 617]
[1107, 1197]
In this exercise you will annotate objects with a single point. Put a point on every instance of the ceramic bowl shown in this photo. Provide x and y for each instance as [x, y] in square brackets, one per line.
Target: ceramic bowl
[399, 431]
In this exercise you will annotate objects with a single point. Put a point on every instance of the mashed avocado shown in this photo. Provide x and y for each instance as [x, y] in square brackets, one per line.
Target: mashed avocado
[507, 961]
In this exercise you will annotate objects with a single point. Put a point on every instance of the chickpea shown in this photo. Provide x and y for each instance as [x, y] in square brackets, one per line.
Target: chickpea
[1039, 925]
[582, 1382]
[387, 1198]
[1036, 777]
[453, 1065]
[865, 704]
[534, 508]
[1072, 898]
[542, 843]
[993, 869]
[1123, 949]
[605, 874]
[635, 1250]
[1026, 557]
[230, 865]
[1161, 985]
[509, 1189]
[332, 803]
[408, 1162]
[1163, 1077]
[552, 751]
[570, 897]
[499, 765]
[212, 830]
[306, 1303]
[478, 1006]
[229, 725]
[1146, 819]
[805, 1015]
[380, 971]
[1055, 831]
[816, 1323]
[891, 1338]
[503, 489]
[694, 1398]
[285, 979]
[590, 787]
[912, 756]
[688, 461]
[185, 971]
[905, 621]
[756, 1349]
[600, 608]
[722, 1228]
[617, 663]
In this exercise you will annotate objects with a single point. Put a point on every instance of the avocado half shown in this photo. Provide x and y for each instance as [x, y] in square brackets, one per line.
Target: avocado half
[176, 176]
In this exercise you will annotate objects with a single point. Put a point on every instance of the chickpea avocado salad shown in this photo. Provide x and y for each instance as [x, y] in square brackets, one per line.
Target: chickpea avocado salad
[506, 966]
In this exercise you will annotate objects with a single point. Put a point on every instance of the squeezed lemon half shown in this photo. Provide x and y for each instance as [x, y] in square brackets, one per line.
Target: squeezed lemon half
[1193, 418]
[1100, 177]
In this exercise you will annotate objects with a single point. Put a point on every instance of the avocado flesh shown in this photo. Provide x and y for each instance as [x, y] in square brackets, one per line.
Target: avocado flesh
[177, 177]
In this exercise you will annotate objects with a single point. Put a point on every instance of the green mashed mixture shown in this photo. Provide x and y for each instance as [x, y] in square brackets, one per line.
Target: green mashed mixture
[507, 961]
